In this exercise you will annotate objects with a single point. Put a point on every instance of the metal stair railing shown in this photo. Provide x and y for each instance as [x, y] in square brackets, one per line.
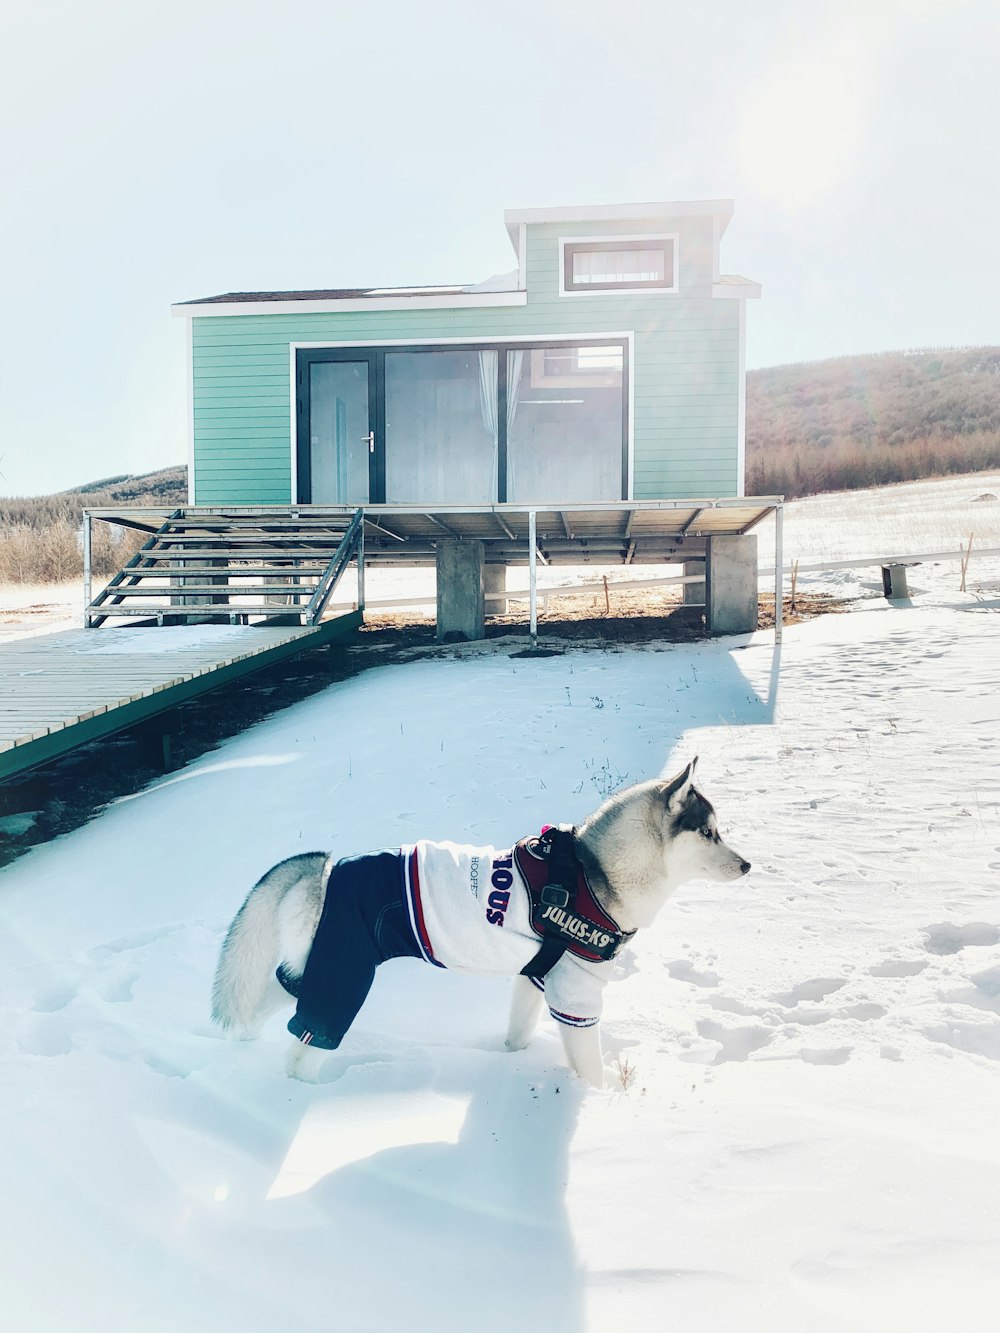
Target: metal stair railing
[93, 621]
[201, 575]
[353, 542]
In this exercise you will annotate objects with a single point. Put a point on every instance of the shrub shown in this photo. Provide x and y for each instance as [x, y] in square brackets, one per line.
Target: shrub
[41, 536]
[844, 465]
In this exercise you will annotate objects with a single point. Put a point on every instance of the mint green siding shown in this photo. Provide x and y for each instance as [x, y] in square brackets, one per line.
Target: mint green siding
[685, 389]
[686, 358]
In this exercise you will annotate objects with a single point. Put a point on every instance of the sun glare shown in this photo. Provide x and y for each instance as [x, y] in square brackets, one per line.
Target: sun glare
[801, 134]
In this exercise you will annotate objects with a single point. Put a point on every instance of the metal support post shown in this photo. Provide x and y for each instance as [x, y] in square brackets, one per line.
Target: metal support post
[779, 573]
[532, 576]
[361, 568]
[87, 567]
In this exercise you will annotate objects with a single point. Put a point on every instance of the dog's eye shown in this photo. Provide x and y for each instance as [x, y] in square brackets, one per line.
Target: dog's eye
[707, 833]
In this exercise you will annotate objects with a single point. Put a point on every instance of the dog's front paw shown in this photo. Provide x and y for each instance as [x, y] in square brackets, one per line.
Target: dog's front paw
[303, 1062]
[303, 1075]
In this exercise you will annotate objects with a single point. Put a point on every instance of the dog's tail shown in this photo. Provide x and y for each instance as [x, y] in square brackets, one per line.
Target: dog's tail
[275, 925]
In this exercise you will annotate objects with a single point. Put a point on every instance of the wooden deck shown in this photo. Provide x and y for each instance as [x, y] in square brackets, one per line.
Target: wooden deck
[59, 691]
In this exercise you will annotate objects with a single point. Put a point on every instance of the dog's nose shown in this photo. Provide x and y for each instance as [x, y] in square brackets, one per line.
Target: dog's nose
[744, 867]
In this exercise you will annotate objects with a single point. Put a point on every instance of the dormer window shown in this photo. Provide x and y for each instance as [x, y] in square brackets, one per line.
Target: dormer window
[615, 264]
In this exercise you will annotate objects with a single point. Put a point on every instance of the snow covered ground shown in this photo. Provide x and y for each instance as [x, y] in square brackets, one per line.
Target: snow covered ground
[800, 1129]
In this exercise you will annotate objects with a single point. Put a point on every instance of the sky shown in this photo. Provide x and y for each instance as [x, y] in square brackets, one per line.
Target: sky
[156, 152]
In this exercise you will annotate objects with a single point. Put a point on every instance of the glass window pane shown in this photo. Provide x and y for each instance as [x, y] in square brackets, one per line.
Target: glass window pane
[338, 431]
[646, 264]
[441, 427]
[564, 424]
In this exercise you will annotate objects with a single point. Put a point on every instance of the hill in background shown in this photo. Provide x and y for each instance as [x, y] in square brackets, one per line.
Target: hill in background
[166, 487]
[159, 489]
[869, 420]
[816, 426]
[40, 534]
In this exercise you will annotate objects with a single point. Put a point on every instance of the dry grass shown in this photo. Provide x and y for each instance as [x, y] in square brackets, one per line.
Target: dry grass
[846, 465]
[41, 535]
[54, 553]
[626, 1072]
[923, 516]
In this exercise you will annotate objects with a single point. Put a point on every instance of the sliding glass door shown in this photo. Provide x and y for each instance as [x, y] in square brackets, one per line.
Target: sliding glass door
[566, 424]
[441, 434]
[463, 424]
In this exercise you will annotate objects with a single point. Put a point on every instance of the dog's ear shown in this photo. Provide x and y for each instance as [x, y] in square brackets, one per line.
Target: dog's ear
[675, 790]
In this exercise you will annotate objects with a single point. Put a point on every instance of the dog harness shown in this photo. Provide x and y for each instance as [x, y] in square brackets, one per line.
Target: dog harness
[528, 910]
[564, 911]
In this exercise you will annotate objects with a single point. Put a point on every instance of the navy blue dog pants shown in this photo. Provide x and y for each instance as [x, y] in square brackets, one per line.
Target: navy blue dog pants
[364, 922]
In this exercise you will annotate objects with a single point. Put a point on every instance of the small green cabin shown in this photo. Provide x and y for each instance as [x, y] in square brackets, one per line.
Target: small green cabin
[609, 365]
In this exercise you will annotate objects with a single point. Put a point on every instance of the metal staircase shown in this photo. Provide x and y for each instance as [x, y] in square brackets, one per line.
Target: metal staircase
[235, 567]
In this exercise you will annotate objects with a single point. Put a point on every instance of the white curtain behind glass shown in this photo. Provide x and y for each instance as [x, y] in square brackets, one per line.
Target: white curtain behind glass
[489, 363]
[514, 362]
[619, 265]
[488, 391]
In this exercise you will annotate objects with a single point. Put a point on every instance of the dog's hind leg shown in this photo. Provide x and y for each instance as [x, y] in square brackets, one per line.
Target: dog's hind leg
[275, 997]
[525, 1006]
[275, 923]
[583, 1051]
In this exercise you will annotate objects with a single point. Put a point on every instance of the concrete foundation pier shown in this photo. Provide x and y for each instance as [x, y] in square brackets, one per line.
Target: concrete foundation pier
[894, 582]
[460, 600]
[693, 594]
[495, 581]
[731, 584]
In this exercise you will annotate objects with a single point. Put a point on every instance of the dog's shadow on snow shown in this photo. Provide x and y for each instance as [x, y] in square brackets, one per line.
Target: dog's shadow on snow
[470, 1232]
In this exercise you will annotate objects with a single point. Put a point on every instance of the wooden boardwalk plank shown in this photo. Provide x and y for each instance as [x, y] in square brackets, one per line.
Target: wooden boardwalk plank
[61, 690]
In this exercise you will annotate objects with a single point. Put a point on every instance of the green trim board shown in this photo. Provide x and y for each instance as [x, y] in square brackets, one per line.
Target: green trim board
[62, 696]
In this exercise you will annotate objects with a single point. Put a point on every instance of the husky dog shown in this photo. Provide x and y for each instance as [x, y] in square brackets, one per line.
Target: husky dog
[552, 912]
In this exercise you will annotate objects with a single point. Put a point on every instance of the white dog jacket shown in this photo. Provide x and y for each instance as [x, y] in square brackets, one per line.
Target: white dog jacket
[471, 911]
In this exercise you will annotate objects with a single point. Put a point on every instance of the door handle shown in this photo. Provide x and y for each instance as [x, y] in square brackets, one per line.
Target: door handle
[370, 437]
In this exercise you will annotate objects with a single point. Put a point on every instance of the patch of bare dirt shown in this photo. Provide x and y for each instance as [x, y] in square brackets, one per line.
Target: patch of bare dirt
[627, 617]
